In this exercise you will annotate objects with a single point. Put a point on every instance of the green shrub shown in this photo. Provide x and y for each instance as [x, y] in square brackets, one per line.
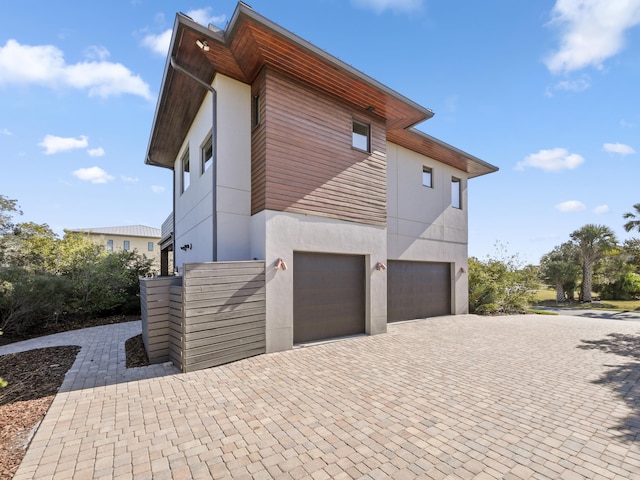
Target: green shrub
[626, 287]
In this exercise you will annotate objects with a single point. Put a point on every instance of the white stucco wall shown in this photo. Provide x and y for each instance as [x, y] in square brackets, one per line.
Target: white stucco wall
[233, 169]
[422, 224]
[286, 233]
[194, 208]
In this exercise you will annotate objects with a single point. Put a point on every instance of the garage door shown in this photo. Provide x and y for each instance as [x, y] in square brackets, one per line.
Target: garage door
[417, 290]
[328, 296]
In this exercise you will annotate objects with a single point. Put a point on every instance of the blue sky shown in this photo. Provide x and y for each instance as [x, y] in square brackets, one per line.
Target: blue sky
[547, 90]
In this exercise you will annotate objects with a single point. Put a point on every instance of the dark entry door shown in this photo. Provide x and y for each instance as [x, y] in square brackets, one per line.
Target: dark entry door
[417, 290]
[328, 296]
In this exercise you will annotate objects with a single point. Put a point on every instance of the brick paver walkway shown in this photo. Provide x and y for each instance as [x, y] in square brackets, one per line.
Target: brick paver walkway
[451, 397]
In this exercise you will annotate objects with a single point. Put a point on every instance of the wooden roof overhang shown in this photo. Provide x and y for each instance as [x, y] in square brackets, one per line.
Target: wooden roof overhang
[252, 42]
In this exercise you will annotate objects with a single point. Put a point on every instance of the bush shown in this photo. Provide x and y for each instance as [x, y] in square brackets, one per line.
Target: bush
[28, 300]
[500, 284]
[626, 287]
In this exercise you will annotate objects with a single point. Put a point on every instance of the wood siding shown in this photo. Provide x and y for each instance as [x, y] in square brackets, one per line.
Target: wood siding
[310, 166]
[258, 147]
[223, 314]
[155, 303]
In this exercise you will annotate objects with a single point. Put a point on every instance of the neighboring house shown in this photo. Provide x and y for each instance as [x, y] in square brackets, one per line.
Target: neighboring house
[285, 154]
[131, 237]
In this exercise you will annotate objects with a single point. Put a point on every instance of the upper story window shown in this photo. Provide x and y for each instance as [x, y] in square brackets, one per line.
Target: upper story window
[150, 246]
[127, 245]
[427, 177]
[361, 136]
[456, 192]
[109, 245]
[206, 154]
[255, 111]
[186, 176]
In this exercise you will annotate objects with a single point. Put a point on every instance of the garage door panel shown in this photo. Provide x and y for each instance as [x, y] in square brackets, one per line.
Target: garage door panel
[328, 296]
[417, 290]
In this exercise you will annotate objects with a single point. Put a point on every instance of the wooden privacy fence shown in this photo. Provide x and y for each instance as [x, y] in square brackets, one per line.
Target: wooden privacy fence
[214, 315]
[155, 305]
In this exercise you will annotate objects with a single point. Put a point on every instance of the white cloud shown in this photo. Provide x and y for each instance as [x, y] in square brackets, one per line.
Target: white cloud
[160, 43]
[600, 209]
[126, 179]
[591, 31]
[571, 206]
[53, 144]
[579, 85]
[45, 65]
[97, 52]
[157, 189]
[620, 148]
[625, 124]
[552, 160]
[5, 131]
[96, 152]
[93, 175]
[380, 6]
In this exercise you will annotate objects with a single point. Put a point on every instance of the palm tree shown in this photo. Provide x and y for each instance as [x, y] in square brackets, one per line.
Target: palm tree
[634, 219]
[593, 241]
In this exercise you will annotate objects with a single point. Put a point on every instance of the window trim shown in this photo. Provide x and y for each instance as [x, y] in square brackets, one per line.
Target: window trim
[149, 246]
[185, 174]
[110, 246]
[428, 170]
[203, 160]
[126, 245]
[355, 123]
[458, 181]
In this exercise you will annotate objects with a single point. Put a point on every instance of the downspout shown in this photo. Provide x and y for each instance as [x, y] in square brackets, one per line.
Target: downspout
[214, 147]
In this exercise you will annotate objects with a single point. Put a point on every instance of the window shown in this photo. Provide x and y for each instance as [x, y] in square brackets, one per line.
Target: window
[256, 110]
[456, 191]
[427, 177]
[360, 138]
[150, 246]
[185, 171]
[207, 154]
[127, 245]
[109, 245]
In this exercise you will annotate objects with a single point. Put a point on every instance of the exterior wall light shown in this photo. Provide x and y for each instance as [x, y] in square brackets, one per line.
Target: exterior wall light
[186, 247]
[380, 266]
[280, 265]
[203, 45]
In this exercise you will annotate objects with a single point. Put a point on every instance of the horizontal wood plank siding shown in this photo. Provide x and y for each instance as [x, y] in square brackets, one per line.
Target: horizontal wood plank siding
[155, 303]
[176, 327]
[258, 147]
[303, 161]
[223, 313]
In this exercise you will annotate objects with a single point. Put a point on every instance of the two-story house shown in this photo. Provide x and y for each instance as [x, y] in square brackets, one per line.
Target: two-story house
[283, 153]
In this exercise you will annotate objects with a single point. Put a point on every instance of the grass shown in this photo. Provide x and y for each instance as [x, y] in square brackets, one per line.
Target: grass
[547, 297]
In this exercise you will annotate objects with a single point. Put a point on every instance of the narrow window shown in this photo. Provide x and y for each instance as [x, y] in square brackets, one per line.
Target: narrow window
[456, 199]
[127, 245]
[360, 138]
[185, 171]
[150, 246]
[207, 154]
[427, 177]
[109, 245]
[256, 110]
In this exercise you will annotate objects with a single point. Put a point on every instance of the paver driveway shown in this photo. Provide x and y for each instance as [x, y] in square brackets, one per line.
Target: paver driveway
[449, 397]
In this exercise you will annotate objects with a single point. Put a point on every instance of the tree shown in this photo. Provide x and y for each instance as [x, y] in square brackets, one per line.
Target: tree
[560, 269]
[634, 219]
[500, 284]
[592, 242]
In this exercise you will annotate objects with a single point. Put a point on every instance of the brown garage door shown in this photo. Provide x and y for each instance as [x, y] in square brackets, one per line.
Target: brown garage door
[328, 296]
[417, 290]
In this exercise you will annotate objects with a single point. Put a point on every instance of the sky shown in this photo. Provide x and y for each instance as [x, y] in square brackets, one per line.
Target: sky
[548, 91]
